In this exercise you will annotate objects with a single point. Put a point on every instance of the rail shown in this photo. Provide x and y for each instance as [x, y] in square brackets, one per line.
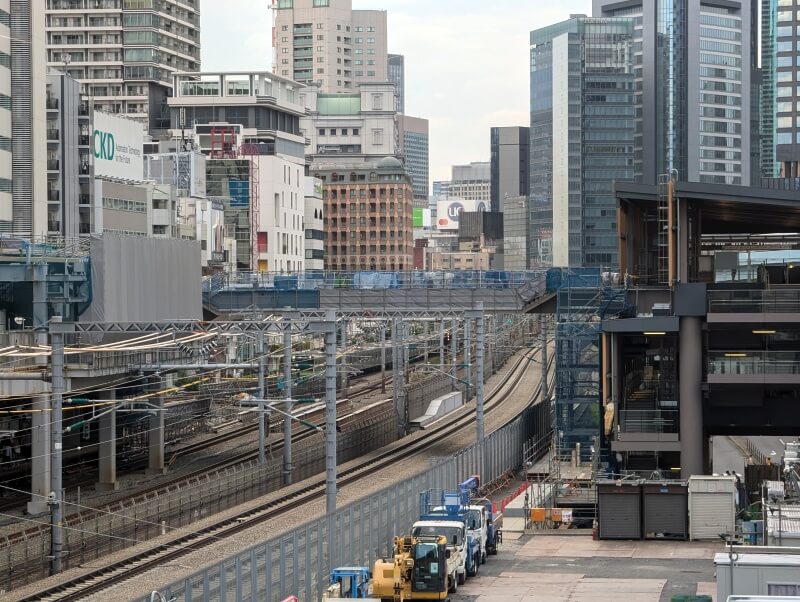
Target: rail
[750, 301]
[740, 363]
[372, 280]
[314, 572]
[649, 421]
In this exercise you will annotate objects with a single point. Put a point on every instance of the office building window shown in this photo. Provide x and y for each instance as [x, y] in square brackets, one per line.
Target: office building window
[377, 102]
[377, 137]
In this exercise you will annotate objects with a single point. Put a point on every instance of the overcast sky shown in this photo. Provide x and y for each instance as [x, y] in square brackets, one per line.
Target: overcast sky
[466, 60]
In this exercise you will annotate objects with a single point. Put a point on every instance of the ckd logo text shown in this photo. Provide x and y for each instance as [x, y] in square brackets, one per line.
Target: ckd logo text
[103, 145]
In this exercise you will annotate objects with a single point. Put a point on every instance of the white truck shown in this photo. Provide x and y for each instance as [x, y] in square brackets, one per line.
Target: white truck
[457, 544]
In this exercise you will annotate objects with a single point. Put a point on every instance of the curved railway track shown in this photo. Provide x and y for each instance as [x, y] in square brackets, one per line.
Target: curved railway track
[101, 579]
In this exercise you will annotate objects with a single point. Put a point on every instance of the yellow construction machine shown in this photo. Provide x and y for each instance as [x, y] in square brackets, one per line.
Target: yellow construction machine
[422, 569]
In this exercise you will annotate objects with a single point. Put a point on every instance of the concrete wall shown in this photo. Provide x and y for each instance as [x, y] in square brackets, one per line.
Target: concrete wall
[144, 279]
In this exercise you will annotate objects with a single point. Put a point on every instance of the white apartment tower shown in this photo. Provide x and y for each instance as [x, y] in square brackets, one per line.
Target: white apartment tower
[328, 43]
[125, 51]
[23, 119]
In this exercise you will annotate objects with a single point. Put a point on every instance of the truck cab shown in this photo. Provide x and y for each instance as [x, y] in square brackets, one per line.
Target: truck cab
[457, 546]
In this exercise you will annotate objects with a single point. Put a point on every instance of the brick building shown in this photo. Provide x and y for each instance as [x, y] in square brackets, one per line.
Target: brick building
[368, 216]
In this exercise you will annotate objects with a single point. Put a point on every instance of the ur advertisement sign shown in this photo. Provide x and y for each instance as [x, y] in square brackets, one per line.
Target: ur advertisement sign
[117, 148]
[447, 212]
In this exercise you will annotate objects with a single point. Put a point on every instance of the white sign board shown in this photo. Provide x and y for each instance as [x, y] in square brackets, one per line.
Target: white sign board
[117, 148]
[447, 211]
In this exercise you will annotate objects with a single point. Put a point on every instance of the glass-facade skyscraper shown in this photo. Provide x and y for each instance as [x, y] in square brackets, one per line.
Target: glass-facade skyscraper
[582, 139]
[695, 68]
[780, 96]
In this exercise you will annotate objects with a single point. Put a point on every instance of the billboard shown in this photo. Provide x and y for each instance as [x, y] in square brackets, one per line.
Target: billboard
[447, 211]
[421, 218]
[117, 148]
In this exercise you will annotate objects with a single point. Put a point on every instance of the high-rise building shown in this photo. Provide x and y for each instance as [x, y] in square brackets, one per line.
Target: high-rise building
[414, 149]
[694, 68]
[472, 182]
[315, 231]
[510, 164]
[69, 166]
[397, 75]
[582, 135]
[780, 107]
[329, 43]
[23, 120]
[125, 52]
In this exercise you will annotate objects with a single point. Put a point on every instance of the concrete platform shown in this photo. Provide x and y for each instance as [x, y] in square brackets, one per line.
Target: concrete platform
[548, 568]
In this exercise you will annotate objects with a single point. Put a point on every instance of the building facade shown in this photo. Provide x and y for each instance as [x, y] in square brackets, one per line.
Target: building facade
[694, 101]
[414, 140]
[582, 136]
[397, 75]
[248, 124]
[23, 119]
[125, 52]
[348, 128]
[472, 182]
[328, 43]
[780, 58]
[368, 216]
[315, 230]
[69, 164]
[510, 164]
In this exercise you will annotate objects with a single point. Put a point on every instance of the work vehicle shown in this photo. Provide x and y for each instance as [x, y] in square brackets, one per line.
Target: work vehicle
[348, 582]
[423, 568]
[480, 516]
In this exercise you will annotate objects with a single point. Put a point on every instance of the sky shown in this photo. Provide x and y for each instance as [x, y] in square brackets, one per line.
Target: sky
[466, 60]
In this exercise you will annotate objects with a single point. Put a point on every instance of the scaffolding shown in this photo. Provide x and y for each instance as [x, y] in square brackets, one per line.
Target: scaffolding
[585, 296]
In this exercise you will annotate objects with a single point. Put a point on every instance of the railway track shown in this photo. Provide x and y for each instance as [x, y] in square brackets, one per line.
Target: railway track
[101, 579]
[200, 446]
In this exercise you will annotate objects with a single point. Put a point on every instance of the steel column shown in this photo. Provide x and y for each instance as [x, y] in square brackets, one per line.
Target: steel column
[691, 396]
[108, 449]
[287, 422]
[543, 357]
[56, 429]
[441, 345]
[262, 427]
[155, 456]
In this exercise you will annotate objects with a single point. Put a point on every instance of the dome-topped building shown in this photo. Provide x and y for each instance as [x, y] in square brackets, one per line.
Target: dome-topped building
[368, 210]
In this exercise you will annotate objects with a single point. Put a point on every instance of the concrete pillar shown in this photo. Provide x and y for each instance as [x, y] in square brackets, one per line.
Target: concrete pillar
[691, 400]
[108, 449]
[345, 367]
[330, 417]
[156, 463]
[453, 354]
[383, 356]
[467, 357]
[40, 454]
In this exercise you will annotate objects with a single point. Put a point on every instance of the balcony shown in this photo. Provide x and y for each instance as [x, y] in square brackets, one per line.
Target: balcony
[83, 140]
[52, 104]
[53, 135]
[53, 195]
[84, 169]
[85, 228]
[83, 199]
[52, 165]
[753, 367]
[777, 304]
[649, 421]
[53, 226]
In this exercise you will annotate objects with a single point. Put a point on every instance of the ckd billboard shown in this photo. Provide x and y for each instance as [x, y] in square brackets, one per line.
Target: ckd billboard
[447, 212]
[117, 148]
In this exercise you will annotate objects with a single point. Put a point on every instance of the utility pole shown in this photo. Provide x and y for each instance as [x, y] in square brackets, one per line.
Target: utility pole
[543, 356]
[441, 345]
[468, 354]
[344, 358]
[454, 355]
[287, 390]
[56, 498]
[480, 335]
[383, 357]
[330, 412]
[262, 428]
